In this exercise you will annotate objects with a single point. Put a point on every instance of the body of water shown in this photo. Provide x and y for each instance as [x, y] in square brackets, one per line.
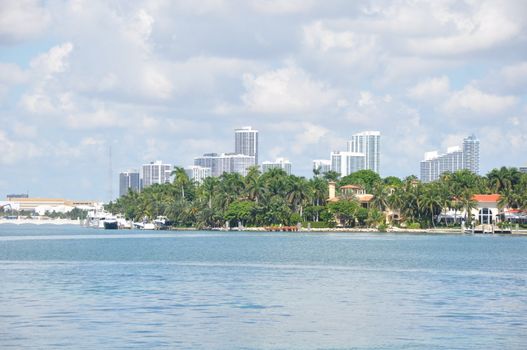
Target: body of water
[76, 288]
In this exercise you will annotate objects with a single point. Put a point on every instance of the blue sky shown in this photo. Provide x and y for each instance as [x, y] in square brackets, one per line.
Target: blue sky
[170, 80]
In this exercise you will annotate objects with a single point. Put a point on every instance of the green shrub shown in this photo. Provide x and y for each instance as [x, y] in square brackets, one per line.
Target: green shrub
[382, 227]
[319, 224]
[295, 218]
[414, 226]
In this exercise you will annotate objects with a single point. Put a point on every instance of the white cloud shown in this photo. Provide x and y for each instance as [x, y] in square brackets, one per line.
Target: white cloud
[365, 99]
[474, 100]
[12, 151]
[156, 84]
[101, 118]
[317, 36]
[21, 20]
[12, 74]
[483, 26]
[281, 7]
[514, 76]
[37, 102]
[139, 28]
[286, 90]
[430, 89]
[54, 61]
[451, 140]
[24, 130]
[311, 134]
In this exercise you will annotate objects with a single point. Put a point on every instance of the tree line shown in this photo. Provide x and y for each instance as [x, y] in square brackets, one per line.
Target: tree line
[276, 198]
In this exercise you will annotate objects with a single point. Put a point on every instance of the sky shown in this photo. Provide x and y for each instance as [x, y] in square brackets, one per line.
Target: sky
[171, 80]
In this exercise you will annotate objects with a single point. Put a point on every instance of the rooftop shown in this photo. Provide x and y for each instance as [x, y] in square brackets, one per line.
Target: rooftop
[486, 197]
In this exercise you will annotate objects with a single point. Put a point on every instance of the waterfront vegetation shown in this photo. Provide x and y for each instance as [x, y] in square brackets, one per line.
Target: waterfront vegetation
[275, 198]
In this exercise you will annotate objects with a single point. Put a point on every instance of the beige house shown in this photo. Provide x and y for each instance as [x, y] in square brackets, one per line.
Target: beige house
[349, 192]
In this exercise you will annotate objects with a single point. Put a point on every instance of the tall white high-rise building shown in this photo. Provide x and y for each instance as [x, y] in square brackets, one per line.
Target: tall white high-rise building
[225, 163]
[198, 173]
[471, 154]
[246, 142]
[436, 164]
[280, 163]
[129, 180]
[346, 163]
[456, 158]
[368, 143]
[155, 173]
[322, 165]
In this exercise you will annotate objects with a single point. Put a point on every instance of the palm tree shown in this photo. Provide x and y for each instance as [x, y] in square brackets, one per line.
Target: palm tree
[504, 178]
[254, 185]
[380, 196]
[181, 179]
[298, 192]
[431, 200]
[509, 199]
[208, 189]
[331, 176]
[468, 203]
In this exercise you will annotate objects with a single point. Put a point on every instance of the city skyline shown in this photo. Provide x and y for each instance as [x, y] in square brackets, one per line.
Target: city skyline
[170, 80]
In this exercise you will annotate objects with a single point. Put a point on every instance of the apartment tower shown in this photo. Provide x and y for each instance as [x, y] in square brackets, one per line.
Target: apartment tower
[368, 143]
[246, 142]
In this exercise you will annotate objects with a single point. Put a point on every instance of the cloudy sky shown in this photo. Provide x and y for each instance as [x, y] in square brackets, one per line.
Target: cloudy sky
[170, 80]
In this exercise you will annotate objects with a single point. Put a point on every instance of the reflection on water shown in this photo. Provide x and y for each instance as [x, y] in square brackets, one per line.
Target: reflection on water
[260, 291]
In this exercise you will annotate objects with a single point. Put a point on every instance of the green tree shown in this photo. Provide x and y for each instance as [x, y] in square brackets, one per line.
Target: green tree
[240, 211]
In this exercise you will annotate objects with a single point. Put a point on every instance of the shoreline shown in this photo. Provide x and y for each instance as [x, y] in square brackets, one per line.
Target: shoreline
[39, 222]
[449, 231]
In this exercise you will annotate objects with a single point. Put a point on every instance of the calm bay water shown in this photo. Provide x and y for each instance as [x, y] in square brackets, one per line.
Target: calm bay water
[76, 288]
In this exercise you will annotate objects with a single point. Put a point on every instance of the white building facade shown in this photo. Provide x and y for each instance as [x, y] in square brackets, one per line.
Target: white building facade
[368, 143]
[471, 154]
[225, 163]
[198, 173]
[456, 158]
[279, 163]
[155, 173]
[346, 163]
[246, 142]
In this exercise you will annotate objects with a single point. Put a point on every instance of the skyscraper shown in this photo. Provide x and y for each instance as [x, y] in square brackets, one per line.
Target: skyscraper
[280, 163]
[456, 158]
[246, 142]
[471, 154]
[346, 163]
[225, 163]
[129, 180]
[155, 173]
[198, 173]
[367, 142]
[436, 164]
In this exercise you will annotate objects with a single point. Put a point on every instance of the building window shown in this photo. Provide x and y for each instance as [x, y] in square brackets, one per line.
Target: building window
[485, 216]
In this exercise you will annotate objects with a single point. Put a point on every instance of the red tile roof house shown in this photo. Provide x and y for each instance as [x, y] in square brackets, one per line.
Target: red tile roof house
[486, 211]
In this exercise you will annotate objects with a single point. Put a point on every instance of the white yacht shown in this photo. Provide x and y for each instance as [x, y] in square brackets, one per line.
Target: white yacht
[102, 220]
